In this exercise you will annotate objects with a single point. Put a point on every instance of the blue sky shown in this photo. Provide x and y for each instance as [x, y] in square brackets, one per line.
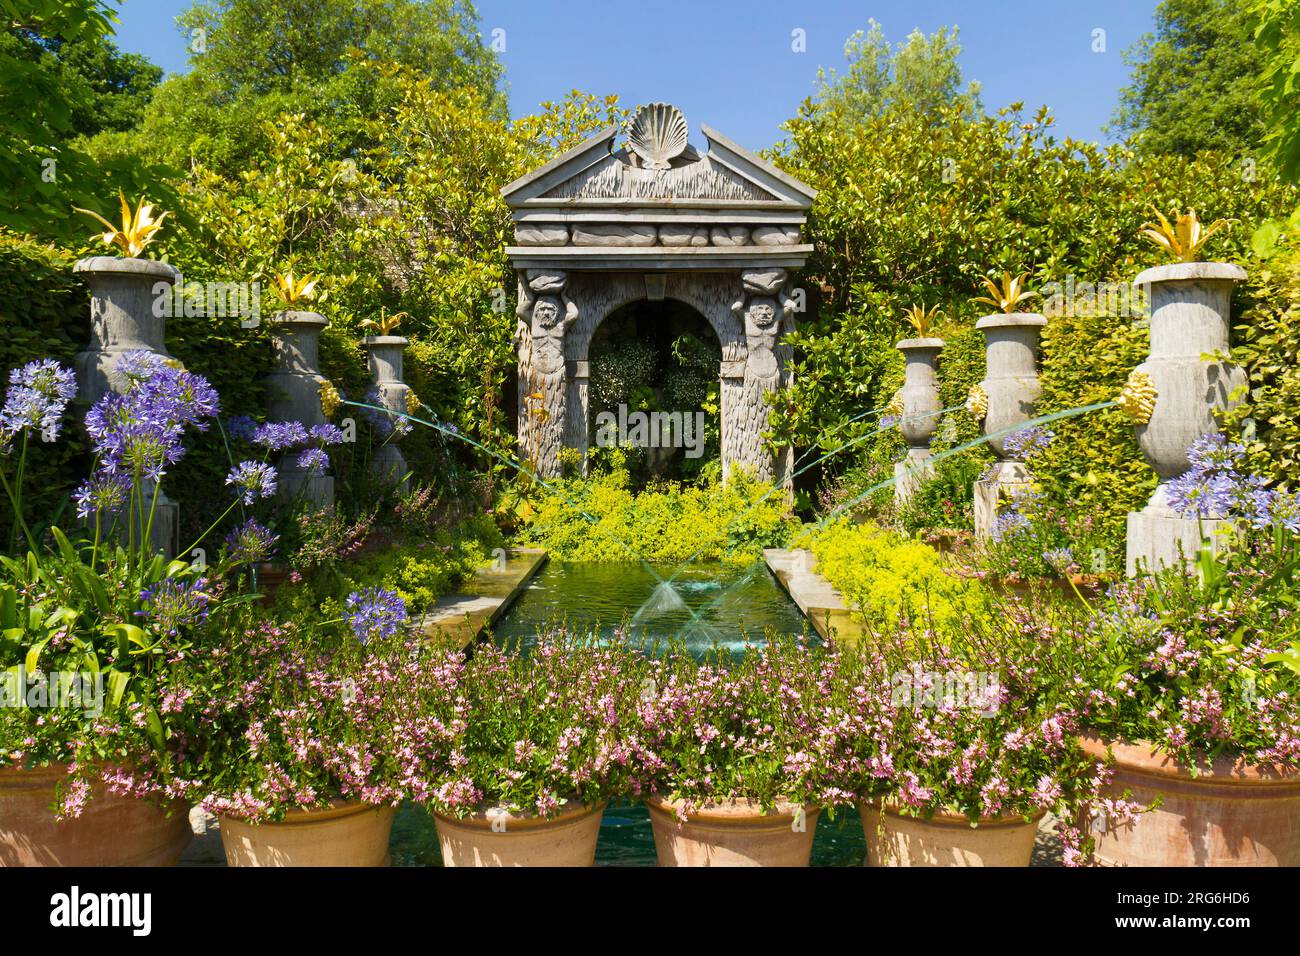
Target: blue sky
[730, 63]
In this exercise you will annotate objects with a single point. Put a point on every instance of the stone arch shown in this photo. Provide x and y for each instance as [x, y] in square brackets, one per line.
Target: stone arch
[600, 295]
[600, 227]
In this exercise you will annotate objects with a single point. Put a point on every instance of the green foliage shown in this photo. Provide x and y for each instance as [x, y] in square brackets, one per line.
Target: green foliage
[59, 78]
[910, 212]
[919, 75]
[599, 518]
[1268, 348]
[43, 312]
[1093, 465]
[1277, 37]
[887, 577]
[944, 500]
[419, 570]
[1195, 83]
[252, 60]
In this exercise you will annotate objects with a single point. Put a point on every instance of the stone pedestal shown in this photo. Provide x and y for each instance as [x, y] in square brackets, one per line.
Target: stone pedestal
[293, 394]
[921, 406]
[1001, 483]
[384, 354]
[127, 315]
[1011, 384]
[1190, 306]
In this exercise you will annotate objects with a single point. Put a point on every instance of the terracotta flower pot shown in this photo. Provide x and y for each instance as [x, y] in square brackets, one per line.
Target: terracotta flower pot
[946, 839]
[345, 834]
[493, 837]
[736, 833]
[1234, 814]
[111, 830]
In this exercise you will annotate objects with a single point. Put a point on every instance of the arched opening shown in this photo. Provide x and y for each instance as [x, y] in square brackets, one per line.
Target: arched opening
[653, 390]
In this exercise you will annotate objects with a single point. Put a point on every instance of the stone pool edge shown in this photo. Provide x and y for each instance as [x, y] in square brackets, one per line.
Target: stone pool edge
[821, 604]
[480, 603]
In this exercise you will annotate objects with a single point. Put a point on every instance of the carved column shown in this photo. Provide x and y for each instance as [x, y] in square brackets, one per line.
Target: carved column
[765, 311]
[921, 405]
[545, 315]
[384, 355]
[129, 301]
[293, 394]
[1010, 388]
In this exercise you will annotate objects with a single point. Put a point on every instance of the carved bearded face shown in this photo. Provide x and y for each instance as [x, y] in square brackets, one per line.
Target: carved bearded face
[761, 313]
[546, 312]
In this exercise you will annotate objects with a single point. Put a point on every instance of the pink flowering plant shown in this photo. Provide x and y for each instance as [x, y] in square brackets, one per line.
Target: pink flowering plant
[542, 731]
[283, 717]
[972, 720]
[1201, 662]
[772, 726]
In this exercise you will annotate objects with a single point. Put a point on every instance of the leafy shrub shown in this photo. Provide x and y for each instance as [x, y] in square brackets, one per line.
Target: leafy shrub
[599, 518]
[1268, 348]
[886, 577]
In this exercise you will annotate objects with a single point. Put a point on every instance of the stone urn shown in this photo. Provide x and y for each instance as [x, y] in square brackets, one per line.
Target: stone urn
[1011, 388]
[293, 394]
[384, 355]
[129, 302]
[1190, 311]
[921, 405]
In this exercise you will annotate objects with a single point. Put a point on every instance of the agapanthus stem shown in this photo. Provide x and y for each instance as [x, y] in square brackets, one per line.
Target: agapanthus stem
[19, 521]
[221, 517]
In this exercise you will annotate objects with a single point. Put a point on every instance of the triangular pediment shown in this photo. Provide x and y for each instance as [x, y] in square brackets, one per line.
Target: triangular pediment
[593, 174]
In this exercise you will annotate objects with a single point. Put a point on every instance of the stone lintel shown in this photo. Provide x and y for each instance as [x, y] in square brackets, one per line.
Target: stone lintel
[643, 258]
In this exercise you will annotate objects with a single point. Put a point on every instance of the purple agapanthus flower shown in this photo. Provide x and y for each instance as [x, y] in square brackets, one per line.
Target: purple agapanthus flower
[326, 434]
[101, 494]
[250, 543]
[314, 460]
[280, 436]
[375, 612]
[139, 432]
[1024, 443]
[37, 397]
[241, 427]
[1059, 560]
[385, 423]
[252, 480]
[1218, 486]
[173, 604]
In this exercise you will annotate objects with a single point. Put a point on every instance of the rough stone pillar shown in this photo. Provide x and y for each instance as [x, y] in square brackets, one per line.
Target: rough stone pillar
[765, 310]
[1190, 310]
[1010, 387]
[293, 394]
[921, 404]
[129, 302]
[575, 437]
[545, 315]
[384, 356]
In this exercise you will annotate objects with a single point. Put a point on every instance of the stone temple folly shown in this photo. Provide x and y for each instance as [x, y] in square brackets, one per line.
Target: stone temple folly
[599, 228]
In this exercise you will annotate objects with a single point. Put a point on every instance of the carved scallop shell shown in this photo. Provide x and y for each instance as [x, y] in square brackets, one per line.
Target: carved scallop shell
[657, 134]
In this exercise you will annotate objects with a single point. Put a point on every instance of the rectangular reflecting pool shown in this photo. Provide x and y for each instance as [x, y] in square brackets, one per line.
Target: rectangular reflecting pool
[703, 604]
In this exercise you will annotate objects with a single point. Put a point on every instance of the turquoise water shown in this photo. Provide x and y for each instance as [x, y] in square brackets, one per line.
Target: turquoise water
[627, 602]
[626, 840]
